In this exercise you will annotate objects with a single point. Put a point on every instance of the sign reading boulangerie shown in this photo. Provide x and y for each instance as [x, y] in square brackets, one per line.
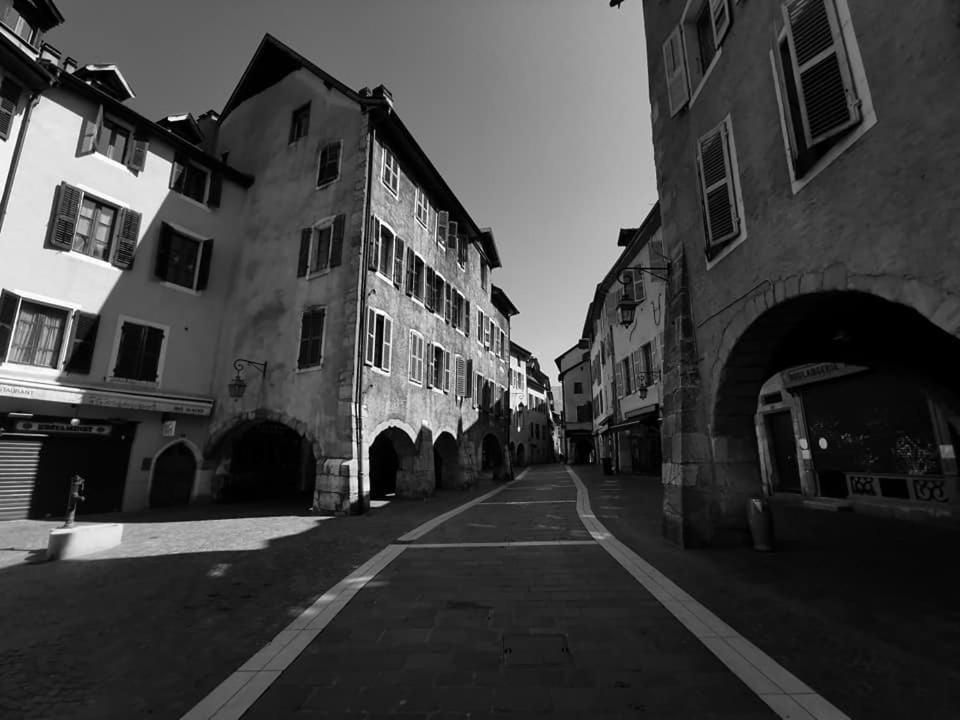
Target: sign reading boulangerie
[814, 373]
[104, 398]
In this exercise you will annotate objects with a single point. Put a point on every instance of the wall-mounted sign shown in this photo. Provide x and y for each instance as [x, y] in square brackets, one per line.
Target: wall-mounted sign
[61, 427]
[169, 428]
[51, 392]
[815, 373]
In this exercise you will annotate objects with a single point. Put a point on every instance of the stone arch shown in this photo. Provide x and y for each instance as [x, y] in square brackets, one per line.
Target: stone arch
[393, 464]
[446, 461]
[393, 423]
[198, 462]
[238, 421]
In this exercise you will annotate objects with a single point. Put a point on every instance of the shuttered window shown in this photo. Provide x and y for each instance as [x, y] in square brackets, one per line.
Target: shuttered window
[321, 247]
[183, 260]
[80, 358]
[139, 352]
[675, 69]
[718, 189]
[311, 337]
[82, 223]
[420, 208]
[189, 180]
[329, 165]
[415, 368]
[10, 92]
[390, 172]
[379, 339]
[38, 334]
[300, 122]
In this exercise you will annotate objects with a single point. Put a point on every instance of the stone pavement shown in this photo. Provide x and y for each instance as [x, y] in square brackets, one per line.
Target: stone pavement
[556, 628]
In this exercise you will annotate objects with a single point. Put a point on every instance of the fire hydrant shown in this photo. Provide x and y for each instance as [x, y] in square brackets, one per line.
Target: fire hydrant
[76, 487]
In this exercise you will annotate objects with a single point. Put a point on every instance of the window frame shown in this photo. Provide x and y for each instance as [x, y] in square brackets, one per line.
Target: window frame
[415, 338]
[420, 203]
[199, 240]
[385, 154]
[387, 275]
[98, 149]
[71, 309]
[190, 165]
[316, 228]
[339, 145]
[299, 113]
[323, 338]
[98, 200]
[161, 360]
[696, 73]
[736, 242]
[369, 351]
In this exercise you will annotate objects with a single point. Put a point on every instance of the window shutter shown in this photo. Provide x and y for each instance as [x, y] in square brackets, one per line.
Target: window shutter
[720, 18]
[442, 221]
[716, 186]
[150, 358]
[371, 335]
[137, 158]
[461, 369]
[468, 378]
[675, 68]
[10, 92]
[128, 229]
[637, 369]
[9, 302]
[303, 258]
[411, 259]
[216, 189]
[372, 258]
[176, 171]
[163, 252]
[387, 343]
[447, 303]
[446, 371]
[466, 315]
[398, 262]
[90, 133]
[85, 326]
[336, 242]
[430, 365]
[206, 256]
[451, 236]
[65, 216]
[431, 284]
[828, 99]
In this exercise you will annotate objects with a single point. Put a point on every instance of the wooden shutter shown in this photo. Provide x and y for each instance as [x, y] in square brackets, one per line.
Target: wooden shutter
[372, 239]
[828, 99]
[387, 343]
[161, 267]
[720, 19]
[126, 234]
[10, 92]
[428, 300]
[67, 204]
[206, 257]
[637, 369]
[336, 242]
[137, 157]
[216, 189]
[442, 221]
[467, 378]
[371, 335]
[451, 236]
[466, 315]
[675, 68]
[150, 358]
[303, 258]
[430, 365]
[9, 302]
[716, 186]
[85, 326]
[446, 371]
[461, 382]
[176, 171]
[411, 261]
[90, 133]
[398, 262]
[447, 303]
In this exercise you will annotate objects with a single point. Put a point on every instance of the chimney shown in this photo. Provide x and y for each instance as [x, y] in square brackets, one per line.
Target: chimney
[69, 65]
[209, 124]
[49, 54]
[364, 92]
[381, 91]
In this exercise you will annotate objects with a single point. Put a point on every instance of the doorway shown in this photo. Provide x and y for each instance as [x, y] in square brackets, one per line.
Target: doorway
[783, 450]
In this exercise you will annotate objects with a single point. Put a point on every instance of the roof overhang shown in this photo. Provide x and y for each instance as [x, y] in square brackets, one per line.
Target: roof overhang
[110, 79]
[185, 126]
[32, 74]
[502, 303]
[45, 12]
[520, 351]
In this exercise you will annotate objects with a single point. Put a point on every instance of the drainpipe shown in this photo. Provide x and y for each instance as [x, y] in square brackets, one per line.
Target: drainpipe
[362, 336]
[15, 159]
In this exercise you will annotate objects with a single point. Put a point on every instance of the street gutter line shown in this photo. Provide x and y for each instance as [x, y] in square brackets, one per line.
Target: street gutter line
[782, 691]
[237, 694]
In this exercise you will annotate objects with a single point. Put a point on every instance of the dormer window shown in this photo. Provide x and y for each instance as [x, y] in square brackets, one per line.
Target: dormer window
[106, 136]
[113, 140]
[189, 180]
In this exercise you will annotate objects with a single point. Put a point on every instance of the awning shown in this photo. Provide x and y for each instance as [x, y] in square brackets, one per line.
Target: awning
[642, 418]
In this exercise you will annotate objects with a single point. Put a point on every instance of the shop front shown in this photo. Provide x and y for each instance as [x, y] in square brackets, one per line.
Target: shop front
[638, 443]
[50, 432]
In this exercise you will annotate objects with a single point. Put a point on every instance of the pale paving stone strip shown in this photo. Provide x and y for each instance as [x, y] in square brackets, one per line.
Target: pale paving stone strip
[783, 692]
[504, 544]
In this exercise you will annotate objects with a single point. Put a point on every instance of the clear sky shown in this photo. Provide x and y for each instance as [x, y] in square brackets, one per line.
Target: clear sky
[535, 111]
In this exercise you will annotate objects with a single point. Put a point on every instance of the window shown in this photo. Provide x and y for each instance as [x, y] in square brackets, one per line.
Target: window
[480, 326]
[416, 357]
[299, 123]
[487, 332]
[381, 250]
[462, 380]
[20, 27]
[819, 100]
[10, 92]
[139, 351]
[31, 333]
[577, 388]
[379, 340]
[690, 50]
[321, 246]
[189, 180]
[720, 197]
[390, 172]
[84, 224]
[113, 140]
[329, 168]
[183, 260]
[706, 45]
[477, 390]
[311, 338]
[633, 287]
[626, 378]
[440, 296]
[439, 370]
[484, 272]
[443, 227]
[459, 314]
[421, 208]
[416, 275]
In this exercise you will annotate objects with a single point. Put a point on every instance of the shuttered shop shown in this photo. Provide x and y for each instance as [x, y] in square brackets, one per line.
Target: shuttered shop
[19, 461]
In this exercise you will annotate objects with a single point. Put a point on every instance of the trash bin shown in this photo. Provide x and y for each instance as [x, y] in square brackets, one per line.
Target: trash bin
[607, 466]
[761, 524]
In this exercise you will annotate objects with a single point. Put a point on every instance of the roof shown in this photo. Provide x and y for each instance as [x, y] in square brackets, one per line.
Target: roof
[643, 233]
[47, 14]
[143, 124]
[520, 351]
[17, 63]
[502, 303]
[626, 235]
[109, 78]
[582, 344]
[273, 60]
[184, 126]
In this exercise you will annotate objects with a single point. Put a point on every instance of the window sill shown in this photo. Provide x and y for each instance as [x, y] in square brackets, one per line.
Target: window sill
[132, 382]
[180, 288]
[726, 251]
[703, 80]
[422, 224]
[110, 161]
[309, 369]
[394, 193]
[191, 201]
[328, 183]
[323, 272]
[797, 184]
[106, 264]
[417, 383]
[379, 371]
[39, 371]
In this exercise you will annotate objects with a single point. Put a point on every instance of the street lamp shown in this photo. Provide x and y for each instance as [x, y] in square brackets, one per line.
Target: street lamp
[238, 385]
[627, 307]
[647, 380]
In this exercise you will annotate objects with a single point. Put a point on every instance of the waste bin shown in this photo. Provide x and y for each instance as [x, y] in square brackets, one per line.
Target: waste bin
[761, 524]
[607, 466]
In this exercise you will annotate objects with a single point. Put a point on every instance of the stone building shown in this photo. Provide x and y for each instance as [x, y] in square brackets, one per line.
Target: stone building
[531, 423]
[577, 407]
[805, 153]
[119, 244]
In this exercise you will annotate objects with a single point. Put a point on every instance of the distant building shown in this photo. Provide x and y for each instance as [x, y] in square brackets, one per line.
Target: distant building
[577, 407]
[531, 432]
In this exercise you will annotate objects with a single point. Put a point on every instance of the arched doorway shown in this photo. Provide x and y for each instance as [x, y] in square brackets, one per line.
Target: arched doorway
[392, 456]
[521, 455]
[173, 475]
[269, 461]
[446, 461]
[491, 455]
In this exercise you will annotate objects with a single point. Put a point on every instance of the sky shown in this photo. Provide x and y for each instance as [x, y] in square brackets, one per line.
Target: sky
[534, 111]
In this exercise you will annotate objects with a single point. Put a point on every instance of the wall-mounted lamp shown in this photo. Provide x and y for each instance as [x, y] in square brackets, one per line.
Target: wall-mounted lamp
[647, 378]
[238, 385]
[627, 307]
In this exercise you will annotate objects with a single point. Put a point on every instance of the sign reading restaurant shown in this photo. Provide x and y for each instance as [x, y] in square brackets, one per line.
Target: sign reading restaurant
[49, 392]
[814, 373]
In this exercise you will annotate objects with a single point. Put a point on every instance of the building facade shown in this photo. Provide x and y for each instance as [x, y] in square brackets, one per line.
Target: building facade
[531, 427]
[797, 238]
[576, 416]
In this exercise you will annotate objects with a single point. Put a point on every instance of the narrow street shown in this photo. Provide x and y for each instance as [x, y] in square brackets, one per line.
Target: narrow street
[521, 605]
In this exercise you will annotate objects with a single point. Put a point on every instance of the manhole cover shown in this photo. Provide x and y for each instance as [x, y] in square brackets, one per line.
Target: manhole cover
[535, 649]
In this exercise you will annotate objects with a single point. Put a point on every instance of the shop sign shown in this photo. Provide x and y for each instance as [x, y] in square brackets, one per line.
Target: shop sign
[169, 428]
[815, 373]
[61, 427]
[104, 398]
